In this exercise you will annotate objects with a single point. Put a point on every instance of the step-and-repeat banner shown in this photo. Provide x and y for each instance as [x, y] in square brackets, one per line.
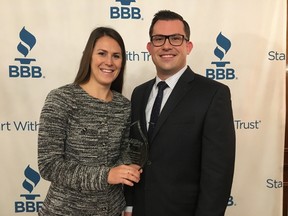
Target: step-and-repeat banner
[240, 43]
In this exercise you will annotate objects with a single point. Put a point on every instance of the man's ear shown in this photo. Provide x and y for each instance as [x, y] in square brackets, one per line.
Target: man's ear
[189, 47]
[148, 47]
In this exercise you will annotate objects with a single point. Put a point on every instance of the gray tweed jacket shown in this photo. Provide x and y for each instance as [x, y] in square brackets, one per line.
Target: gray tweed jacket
[80, 139]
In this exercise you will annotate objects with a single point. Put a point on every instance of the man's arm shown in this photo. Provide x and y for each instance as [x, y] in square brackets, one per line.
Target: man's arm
[218, 156]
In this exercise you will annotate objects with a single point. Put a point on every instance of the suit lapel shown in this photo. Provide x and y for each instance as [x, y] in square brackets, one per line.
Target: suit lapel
[183, 85]
[144, 102]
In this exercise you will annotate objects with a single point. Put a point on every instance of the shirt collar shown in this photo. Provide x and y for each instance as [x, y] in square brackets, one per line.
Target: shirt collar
[171, 81]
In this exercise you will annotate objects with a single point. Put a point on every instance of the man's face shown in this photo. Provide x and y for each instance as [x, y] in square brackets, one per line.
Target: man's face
[167, 58]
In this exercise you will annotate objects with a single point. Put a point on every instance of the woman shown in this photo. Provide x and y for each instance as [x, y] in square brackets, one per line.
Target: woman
[83, 131]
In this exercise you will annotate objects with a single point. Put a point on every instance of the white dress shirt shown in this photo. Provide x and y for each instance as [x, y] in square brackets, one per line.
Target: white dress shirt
[171, 82]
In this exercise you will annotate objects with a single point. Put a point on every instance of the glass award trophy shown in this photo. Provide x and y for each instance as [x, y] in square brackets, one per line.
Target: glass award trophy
[138, 150]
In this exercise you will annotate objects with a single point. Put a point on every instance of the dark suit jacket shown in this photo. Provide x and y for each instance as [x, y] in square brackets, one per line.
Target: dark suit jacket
[191, 154]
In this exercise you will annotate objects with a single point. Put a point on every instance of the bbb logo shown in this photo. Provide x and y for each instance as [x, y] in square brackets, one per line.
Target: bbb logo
[25, 70]
[29, 204]
[231, 201]
[125, 11]
[221, 72]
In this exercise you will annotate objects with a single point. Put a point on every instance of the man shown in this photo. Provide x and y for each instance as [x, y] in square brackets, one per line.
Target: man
[190, 166]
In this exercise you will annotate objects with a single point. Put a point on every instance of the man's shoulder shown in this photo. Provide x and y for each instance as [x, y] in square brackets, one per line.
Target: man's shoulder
[207, 81]
[144, 85]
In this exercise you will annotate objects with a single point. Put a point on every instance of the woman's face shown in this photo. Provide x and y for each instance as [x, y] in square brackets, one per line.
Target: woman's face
[106, 61]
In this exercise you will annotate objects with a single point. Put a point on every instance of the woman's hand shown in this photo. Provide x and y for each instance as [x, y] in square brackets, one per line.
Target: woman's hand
[125, 174]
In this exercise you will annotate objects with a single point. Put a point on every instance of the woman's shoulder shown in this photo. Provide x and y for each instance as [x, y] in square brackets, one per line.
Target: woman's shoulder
[64, 90]
[63, 94]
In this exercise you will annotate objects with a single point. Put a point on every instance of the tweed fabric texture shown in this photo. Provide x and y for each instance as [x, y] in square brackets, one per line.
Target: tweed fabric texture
[80, 139]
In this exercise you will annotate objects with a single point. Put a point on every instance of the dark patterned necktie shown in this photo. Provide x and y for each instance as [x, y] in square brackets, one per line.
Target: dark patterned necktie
[156, 108]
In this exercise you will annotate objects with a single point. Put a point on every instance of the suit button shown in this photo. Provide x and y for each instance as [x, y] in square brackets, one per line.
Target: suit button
[149, 163]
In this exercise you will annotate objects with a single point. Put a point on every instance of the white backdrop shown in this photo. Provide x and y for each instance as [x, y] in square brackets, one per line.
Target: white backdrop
[50, 35]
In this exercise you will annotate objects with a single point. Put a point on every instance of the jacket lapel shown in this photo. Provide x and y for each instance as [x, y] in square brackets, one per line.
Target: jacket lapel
[183, 85]
[144, 102]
